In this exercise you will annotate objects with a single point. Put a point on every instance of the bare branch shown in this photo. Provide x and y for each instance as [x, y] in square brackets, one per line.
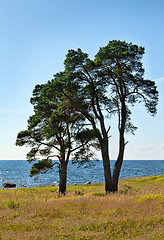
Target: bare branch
[88, 73]
[56, 163]
[108, 129]
[126, 143]
[111, 112]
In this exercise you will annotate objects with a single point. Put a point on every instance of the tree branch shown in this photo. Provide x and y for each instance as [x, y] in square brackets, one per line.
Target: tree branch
[126, 143]
[72, 150]
[108, 129]
[49, 145]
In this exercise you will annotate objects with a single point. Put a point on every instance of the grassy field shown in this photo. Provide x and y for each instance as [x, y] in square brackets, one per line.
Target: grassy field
[85, 212]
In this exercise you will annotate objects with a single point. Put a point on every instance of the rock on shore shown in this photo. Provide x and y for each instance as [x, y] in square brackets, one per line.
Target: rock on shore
[9, 185]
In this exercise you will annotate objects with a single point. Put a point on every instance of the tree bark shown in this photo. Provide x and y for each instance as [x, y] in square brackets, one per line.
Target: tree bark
[104, 143]
[118, 163]
[103, 140]
[106, 165]
[63, 177]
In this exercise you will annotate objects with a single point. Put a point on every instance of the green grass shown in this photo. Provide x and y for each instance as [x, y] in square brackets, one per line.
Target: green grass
[85, 212]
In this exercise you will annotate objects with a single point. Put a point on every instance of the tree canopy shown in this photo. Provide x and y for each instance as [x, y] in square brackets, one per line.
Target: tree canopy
[55, 131]
[70, 111]
[108, 85]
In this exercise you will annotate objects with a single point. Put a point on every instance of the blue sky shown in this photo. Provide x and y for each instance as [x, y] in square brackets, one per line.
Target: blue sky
[35, 36]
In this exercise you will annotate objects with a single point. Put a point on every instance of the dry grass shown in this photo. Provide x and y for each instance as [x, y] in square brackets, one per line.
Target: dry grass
[85, 212]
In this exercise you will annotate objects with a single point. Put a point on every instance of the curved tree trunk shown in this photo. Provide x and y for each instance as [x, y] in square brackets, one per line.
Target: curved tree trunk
[63, 177]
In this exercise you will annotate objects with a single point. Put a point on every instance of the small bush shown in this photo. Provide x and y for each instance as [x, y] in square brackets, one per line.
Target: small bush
[149, 197]
[79, 192]
[12, 204]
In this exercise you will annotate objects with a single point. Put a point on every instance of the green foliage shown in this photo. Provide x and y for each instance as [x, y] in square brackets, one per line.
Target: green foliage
[86, 135]
[113, 78]
[83, 155]
[41, 166]
[120, 65]
[56, 129]
[23, 138]
[109, 85]
[70, 110]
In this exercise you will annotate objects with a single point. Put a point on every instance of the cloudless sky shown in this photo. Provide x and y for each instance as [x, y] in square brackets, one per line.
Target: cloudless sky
[35, 36]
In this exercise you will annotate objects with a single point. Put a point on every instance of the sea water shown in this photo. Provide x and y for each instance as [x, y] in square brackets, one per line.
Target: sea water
[18, 171]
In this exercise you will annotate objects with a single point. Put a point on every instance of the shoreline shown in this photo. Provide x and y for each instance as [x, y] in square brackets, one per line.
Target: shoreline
[18, 172]
[90, 183]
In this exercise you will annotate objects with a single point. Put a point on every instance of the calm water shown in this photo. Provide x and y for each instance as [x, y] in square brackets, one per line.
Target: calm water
[18, 172]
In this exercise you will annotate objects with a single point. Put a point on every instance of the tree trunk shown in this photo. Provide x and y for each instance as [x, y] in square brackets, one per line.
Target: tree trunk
[104, 143]
[63, 177]
[106, 164]
[118, 163]
[103, 140]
